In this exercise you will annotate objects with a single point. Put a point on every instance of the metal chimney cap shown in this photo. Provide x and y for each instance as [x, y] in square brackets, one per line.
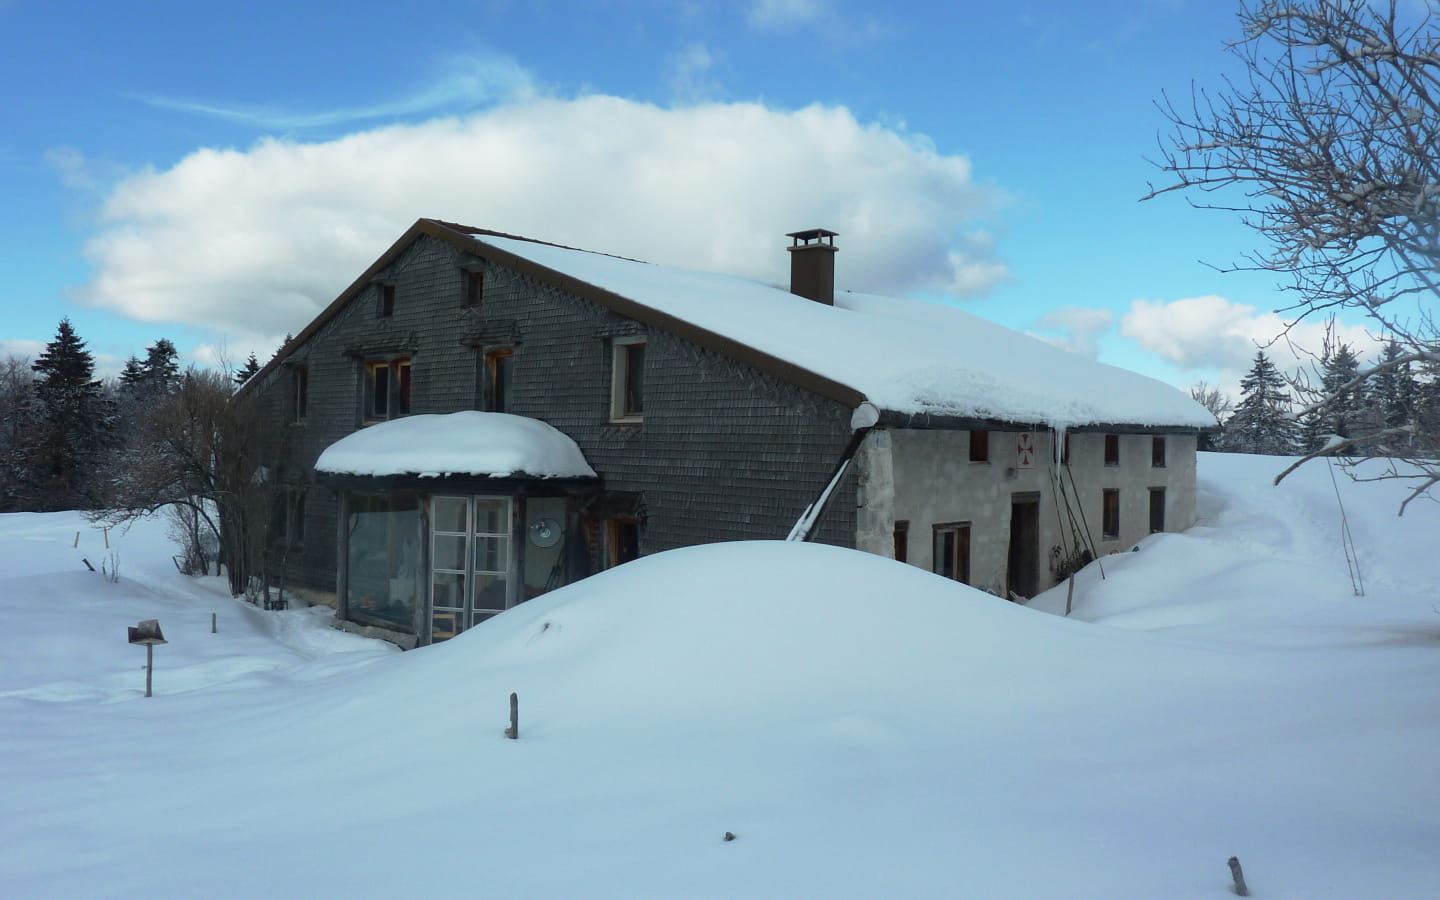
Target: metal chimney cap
[802, 238]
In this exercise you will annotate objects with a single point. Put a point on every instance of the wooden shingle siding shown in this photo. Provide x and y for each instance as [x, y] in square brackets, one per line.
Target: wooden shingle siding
[725, 452]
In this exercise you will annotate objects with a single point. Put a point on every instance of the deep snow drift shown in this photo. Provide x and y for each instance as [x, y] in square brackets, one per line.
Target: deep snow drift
[864, 728]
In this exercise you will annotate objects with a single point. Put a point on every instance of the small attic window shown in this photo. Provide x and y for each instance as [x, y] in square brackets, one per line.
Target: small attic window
[627, 379]
[979, 446]
[472, 286]
[1112, 449]
[387, 300]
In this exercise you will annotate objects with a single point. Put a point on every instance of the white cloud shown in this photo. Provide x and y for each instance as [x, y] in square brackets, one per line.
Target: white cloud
[28, 349]
[252, 244]
[1082, 328]
[1215, 334]
[778, 15]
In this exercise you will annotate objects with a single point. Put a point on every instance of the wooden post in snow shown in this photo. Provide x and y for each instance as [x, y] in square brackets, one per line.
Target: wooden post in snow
[1239, 876]
[1069, 594]
[212, 623]
[513, 732]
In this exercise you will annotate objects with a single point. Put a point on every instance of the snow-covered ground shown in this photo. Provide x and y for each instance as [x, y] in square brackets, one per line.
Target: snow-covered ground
[863, 728]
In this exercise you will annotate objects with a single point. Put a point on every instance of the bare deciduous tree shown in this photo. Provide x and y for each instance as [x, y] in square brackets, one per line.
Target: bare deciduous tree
[195, 451]
[1330, 149]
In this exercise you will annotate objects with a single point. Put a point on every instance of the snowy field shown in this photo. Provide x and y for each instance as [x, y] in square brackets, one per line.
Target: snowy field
[863, 728]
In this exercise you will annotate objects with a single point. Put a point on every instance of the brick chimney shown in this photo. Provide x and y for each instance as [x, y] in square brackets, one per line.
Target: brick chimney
[812, 265]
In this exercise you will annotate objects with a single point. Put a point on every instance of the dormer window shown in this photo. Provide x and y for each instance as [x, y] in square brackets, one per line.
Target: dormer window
[387, 389]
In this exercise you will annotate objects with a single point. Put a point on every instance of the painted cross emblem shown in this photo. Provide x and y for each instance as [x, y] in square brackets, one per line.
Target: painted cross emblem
[1025, 450]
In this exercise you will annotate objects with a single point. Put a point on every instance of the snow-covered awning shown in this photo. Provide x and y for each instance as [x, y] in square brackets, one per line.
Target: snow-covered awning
[495, 445]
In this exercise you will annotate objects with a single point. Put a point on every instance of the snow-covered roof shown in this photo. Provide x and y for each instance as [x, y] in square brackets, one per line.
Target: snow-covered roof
[904, 356]
[463, 443]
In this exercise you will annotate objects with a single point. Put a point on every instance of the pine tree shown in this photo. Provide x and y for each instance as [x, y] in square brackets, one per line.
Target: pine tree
[162, 367]
[1341, 413]
[1394, 399]
[247, 371]
[132, 375]
[1261, 422]
[74, 424]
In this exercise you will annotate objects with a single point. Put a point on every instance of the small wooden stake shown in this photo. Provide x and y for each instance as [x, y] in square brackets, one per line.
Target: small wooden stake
[106, 532]
[77, 540]
[1239, 877]
[513, 732]
[212, 623]
[1069, 595]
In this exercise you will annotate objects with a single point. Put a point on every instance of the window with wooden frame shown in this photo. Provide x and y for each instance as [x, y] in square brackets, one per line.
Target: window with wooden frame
[979, 446]
[951, 552]
[472, 286]
[1112, 449]
[387, 389]
[627, 379]
[387, 300]
[1157, 451]
[1157, 509]
[299, 393]
[902, 540]
[622, 541]
[1110, 514]
[497, 375]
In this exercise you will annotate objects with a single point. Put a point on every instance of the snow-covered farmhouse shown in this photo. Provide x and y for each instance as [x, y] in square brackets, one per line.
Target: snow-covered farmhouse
[480, 418]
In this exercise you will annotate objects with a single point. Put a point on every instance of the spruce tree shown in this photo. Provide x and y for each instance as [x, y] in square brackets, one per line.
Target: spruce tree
[162, 367]
[247, 371]
[1341, 413]
[1394, 399]
[1261, 422]
[73, 425]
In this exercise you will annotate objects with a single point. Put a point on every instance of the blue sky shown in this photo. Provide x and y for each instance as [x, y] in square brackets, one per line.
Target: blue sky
[214, 173]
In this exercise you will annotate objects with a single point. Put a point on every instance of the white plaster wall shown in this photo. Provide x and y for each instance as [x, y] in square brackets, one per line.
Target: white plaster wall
[925, 476]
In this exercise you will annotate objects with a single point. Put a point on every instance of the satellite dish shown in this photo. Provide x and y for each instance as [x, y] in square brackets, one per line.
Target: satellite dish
[544, 532]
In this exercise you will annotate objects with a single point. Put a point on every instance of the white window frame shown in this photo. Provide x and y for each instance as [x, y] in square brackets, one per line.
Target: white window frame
[619, 375]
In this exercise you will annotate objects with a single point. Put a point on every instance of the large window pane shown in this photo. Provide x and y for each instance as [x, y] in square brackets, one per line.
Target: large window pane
[382, 557]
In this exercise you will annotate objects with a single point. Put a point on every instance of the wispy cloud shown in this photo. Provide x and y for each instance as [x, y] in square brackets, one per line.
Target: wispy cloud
[1081, 327]
[820, 17]
[690, 73]
[464, 83]
[781, 15]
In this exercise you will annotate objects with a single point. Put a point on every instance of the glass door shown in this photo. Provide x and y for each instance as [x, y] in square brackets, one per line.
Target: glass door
[470, 560]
